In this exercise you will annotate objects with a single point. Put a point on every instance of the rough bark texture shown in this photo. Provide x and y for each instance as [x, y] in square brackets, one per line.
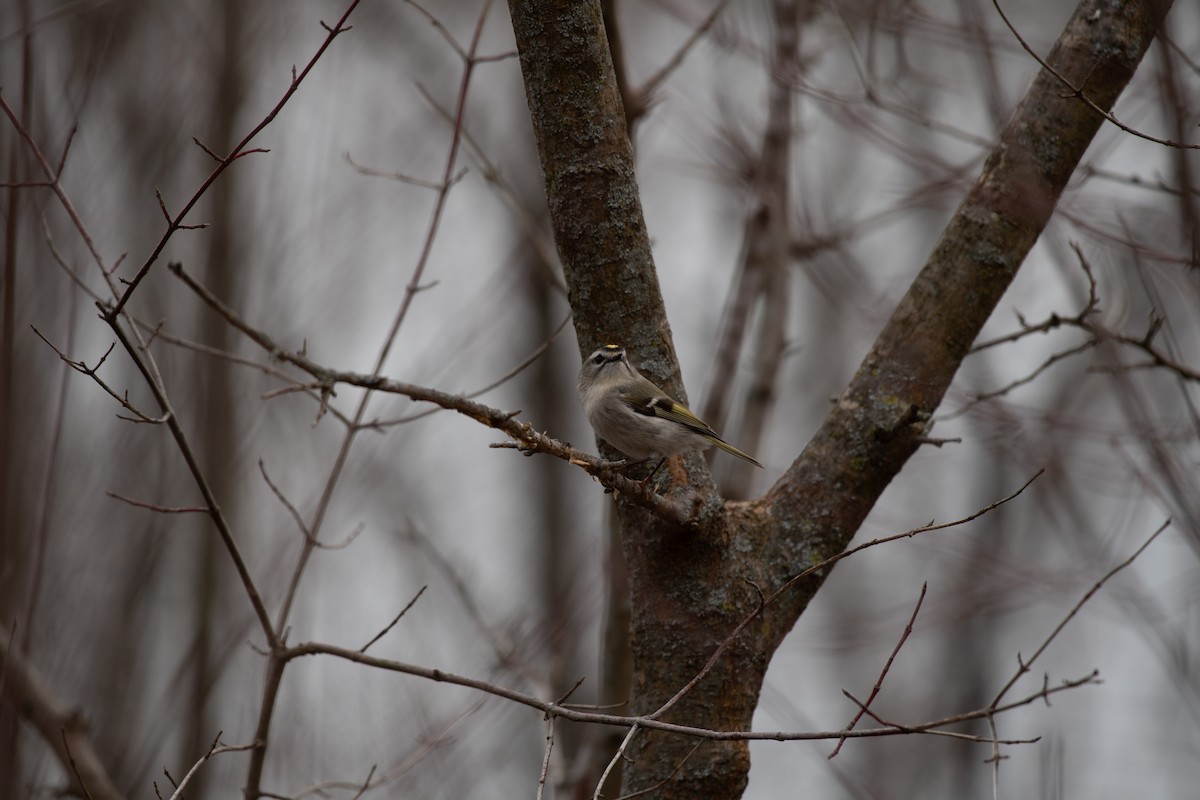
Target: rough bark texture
[588, 165]
[691, 588]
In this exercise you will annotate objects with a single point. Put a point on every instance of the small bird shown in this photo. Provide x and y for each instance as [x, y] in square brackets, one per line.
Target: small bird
[638, 418]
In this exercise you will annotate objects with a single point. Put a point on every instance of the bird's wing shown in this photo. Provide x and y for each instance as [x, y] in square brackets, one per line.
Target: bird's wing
[642, 401]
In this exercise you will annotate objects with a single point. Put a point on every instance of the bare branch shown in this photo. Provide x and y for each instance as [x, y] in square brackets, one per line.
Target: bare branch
[968, 737]
[63, 730]
[817, 568]
[505, 378]
[93, 373]
[442, 31]
[75, 767]
[215, 750]
[1077, 91]
[616, 759]
[1084, 320]
[176, 223]
[663, 782]
[887, 666]
[529, 221]
[404, 178]
[525, 438]
[638, 101]
[396, 619]
[546, 758]
[158, 508]
[1023, 666]
[649, 722]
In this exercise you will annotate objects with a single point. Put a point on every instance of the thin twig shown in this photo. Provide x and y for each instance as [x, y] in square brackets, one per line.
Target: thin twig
[267, 369]
[175, 223]
[647, 89]
[666, 778]
[503, 647]
[214, 750]
[411, 290]
[505, 378]
[532, 227]
[276, 663]
[403, 177]
[74, 767]
[1024, 666]
[525, 438]
[966, 737]
[94, 373]
[549, 708]
[612, 762]
[366, 784]
[1077, 91]
[541, 787]
[158, 508]
[887, 666]
[763, 603]
[279, 495]
[395, 619]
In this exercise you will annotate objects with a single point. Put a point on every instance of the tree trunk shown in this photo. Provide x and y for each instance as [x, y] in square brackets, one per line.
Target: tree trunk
[690, 588]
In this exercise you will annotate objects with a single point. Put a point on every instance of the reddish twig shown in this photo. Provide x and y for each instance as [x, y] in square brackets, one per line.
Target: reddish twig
[276, 663]
[410, 292]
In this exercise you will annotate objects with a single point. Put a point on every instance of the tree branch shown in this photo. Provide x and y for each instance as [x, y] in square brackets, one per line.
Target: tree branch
[64, 731]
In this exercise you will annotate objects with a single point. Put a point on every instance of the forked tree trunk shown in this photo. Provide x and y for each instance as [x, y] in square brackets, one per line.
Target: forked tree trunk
[690, 588]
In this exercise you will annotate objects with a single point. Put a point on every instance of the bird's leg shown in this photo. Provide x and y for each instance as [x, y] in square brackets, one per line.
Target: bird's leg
[646, 480]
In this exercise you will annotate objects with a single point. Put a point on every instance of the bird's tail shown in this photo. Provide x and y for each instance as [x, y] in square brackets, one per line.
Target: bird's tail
[728, 448]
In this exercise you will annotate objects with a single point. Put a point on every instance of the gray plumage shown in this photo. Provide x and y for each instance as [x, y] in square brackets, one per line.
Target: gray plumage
[635, 416]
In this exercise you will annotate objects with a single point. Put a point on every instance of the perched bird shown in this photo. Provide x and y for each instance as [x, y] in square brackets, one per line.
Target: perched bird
[638, 418]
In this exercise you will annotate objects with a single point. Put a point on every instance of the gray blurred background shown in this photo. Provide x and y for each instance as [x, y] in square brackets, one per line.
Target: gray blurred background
[136, 618]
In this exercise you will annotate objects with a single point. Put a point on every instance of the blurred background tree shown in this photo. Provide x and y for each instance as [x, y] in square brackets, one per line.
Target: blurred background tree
[852, 131]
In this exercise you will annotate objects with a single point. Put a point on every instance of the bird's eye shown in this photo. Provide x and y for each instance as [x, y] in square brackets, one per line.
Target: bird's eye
[598, 358]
